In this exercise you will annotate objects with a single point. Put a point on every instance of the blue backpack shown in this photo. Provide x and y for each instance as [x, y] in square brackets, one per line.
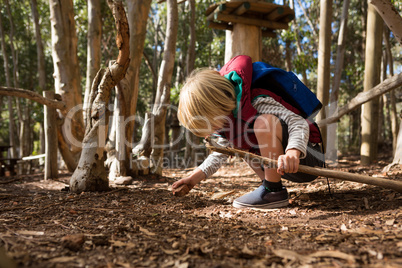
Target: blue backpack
[286, 85]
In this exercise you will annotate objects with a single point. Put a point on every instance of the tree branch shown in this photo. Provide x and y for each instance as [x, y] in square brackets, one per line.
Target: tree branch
[390, 15]
[27, 94]
[336, 174]
[363, 97]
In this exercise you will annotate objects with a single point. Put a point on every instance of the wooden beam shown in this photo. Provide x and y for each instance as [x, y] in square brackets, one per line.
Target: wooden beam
[275, 14]
[268, 33]
[220, 26]
[250, 21]
[241, 9]
[262, 7]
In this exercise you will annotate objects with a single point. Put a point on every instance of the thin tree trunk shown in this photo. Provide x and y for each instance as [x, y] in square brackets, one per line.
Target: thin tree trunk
[91, 174]
[308, 19]
[372, 78]
[392, 97]
[162, 98]
[390, 15]
[298, 45]
[67, 79]
[332, 152]
[137, 12]
[324, 56]
[93, 46]
[41, 62]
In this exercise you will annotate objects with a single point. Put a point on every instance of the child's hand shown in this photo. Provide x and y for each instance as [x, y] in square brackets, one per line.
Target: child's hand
[289, 162]
[187, 181]
[190, 181]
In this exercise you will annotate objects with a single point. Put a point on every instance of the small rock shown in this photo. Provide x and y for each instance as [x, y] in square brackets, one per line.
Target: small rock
[127, 180]
[73, 242]
[181, 191]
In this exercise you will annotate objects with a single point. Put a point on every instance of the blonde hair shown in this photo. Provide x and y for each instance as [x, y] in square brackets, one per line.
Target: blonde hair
[205, 100]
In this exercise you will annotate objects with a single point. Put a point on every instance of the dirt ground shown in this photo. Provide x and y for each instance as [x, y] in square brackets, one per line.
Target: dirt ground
[143, 225]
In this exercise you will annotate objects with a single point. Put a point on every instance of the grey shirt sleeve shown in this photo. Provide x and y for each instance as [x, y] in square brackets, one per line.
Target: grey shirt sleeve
[215, 160]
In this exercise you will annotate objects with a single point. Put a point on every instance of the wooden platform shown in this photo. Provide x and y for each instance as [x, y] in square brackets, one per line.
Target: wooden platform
[268, 16]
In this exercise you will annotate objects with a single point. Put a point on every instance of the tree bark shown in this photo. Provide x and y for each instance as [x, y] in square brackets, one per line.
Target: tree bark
[67, 79]
[324, 56]
[90, 174]
[332, 151]
[28, 94]
[50, 139]
[93, 47]
[372, 77]
[41, 62]
[137, 12]
[392, 97]
[390, 15]
[162, 98]
[39, 47]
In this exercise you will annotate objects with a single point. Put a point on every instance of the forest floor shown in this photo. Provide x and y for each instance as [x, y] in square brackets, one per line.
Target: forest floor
[144, 225]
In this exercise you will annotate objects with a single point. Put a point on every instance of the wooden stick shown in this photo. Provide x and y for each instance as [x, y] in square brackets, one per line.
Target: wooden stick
[386, 183]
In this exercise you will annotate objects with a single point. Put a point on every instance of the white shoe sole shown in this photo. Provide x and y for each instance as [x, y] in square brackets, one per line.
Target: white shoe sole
[278, 204]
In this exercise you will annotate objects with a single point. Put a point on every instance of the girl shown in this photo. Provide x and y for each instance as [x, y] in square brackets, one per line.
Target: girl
[225, 104]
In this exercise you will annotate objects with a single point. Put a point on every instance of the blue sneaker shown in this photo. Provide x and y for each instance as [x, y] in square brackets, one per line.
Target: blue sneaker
[262, 198]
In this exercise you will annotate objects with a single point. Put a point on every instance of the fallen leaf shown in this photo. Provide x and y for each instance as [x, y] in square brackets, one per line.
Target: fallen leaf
[64, 259]
[290, 255]
[221, 195]
[333, 254]
[170, 252]
[390, 222]
[26, 232]
[145, 231]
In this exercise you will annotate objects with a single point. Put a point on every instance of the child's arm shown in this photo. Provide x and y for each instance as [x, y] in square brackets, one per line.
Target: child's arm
[210, 165]
[196, 177]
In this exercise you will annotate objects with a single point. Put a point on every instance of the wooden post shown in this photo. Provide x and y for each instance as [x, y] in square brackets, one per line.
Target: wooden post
[50, 138]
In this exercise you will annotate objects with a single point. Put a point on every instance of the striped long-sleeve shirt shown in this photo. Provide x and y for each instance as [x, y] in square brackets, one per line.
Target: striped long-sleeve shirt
[297, 127]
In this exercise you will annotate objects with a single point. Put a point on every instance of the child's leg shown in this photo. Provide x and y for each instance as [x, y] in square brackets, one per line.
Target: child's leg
[271, 194]
[268, 130]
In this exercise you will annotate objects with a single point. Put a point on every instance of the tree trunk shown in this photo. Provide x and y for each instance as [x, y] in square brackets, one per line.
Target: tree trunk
[324, 56]
[90, 174]
[294, 27]
[67, 79]
[372, 78]
[392, 97]
[11, 129]
[313, 30]
[41, 62]
[390, 15]
[162, 98]
[191, 150]
[50, 139]
[363, 97]
[93, 46]
[137, 12]
[332, 150]
[39, 47]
